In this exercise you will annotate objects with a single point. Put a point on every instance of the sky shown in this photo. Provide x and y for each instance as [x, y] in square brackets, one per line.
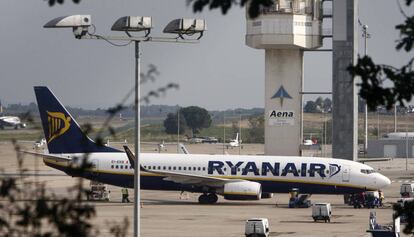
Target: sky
[219, 73]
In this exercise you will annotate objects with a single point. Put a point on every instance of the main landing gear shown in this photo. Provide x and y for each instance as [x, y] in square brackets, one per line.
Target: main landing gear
[208, 198]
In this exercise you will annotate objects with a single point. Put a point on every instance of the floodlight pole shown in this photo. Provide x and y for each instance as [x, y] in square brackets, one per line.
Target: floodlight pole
[178, 130]
[137, 180]
[240, 135]
[366, 35]
[224, 132]
[406, 145]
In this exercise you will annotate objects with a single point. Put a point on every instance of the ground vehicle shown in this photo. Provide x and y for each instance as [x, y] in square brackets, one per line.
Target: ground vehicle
[368, 199]
[407, 190]
[196, 140]
[210, 140]
[402, 202]
[372, 199]
[298, 201]
[378, 230]
[98, 192]
[257, 227]
[322, 211]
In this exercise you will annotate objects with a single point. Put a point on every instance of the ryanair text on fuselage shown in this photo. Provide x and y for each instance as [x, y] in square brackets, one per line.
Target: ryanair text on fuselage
[304, 169]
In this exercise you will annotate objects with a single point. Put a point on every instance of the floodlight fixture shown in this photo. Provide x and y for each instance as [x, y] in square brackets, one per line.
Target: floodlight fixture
[186, 26]
[79, 24]
[133, 23]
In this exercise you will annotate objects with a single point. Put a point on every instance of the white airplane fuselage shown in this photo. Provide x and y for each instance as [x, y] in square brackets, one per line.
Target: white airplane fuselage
[276, 174]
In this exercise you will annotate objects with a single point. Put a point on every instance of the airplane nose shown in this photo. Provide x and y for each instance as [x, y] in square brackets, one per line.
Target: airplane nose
[383, 181]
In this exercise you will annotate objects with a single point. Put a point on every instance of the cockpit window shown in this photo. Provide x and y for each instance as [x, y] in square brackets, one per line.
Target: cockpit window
[367, 171]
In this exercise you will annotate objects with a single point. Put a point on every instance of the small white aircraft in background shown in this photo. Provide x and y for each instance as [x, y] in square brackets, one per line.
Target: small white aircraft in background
[235, 142]
[162, 146]
[11, 121]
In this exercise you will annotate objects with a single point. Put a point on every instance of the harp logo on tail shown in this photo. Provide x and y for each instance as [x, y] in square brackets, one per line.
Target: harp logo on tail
[58, 124]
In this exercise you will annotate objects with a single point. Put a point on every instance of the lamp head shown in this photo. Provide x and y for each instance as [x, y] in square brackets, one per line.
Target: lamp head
[186, 26]
[133, 23]
[79, 24]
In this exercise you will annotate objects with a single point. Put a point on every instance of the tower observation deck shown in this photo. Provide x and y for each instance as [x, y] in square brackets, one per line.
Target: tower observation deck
[284, 30]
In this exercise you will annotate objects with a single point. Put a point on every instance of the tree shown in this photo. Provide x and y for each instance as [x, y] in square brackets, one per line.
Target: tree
[327, 105]
[310, 107]
[256, 130]
[170, 124]
[196, 118]
[319, 102]
[52, 2]
[253, 6]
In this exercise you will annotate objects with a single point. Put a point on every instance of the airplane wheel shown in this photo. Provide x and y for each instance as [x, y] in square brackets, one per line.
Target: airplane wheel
[203, 199]
[212, 198]
[207, 199]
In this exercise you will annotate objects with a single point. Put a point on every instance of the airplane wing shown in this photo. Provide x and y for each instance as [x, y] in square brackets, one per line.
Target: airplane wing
[193, 179]
[182, 178]
[56, 157]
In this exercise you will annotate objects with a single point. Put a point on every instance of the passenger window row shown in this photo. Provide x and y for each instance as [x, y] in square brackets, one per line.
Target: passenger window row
[121, 167]
[175, 168]
[190, 168]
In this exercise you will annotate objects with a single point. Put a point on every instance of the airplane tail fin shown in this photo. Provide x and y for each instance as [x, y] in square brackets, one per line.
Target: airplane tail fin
[237, 137]
[63, 134]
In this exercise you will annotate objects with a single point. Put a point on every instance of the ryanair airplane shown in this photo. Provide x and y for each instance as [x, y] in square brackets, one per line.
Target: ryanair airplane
[233, 177]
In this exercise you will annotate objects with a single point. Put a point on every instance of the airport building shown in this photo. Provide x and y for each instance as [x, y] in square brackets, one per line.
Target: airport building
[393, 145]
[284, 30]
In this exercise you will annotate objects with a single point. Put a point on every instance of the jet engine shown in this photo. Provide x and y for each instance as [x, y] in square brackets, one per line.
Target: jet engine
[243, 190]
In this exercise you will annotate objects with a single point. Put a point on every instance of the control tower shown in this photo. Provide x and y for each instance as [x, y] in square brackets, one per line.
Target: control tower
[284, 30]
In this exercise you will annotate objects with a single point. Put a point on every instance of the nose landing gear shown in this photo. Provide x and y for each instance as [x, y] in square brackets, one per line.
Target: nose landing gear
[208, 198]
